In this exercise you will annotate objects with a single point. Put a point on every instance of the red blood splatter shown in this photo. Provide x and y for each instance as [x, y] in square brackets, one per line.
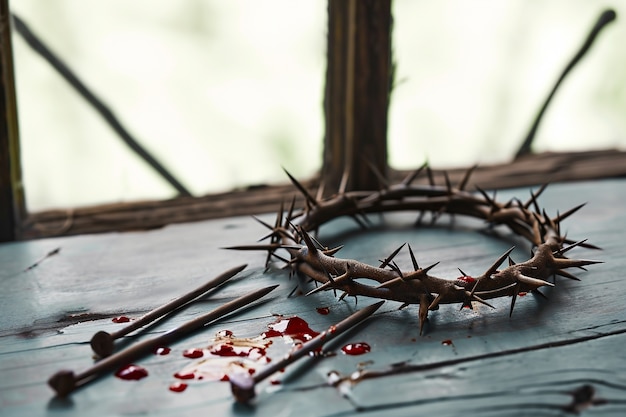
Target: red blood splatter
[226, 349]
[324, 311]
[131, 372]
[256, 353]
[194, 353]
[467, 279]
[293, 326]
[178, 387]
[356, 348]
[162, 351]
[275, 382]
[225, 378]
[121, 319]
[446, 342]
[224, 333]
[522, 293]
[184, 376]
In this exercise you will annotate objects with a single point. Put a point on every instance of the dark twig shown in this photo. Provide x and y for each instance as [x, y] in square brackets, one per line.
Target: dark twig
[605, 18]
[37, 44]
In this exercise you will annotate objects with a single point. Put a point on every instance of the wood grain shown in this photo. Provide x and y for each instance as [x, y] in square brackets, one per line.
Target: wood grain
[494, 365]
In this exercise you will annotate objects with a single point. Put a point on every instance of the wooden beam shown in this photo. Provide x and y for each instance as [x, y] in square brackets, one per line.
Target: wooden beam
[357, 93]
[12, 205]
[527, 171]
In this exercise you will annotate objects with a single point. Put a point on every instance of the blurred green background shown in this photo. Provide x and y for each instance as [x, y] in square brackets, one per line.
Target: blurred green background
[225, 93]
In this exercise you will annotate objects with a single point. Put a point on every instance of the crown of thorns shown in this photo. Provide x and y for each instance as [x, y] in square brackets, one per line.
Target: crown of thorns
[292, 230]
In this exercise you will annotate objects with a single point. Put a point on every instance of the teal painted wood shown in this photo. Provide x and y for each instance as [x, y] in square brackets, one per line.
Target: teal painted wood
[495, 365]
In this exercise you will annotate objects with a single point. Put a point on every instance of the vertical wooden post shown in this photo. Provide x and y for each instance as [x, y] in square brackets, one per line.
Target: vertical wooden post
[357, 92]
[12, 205]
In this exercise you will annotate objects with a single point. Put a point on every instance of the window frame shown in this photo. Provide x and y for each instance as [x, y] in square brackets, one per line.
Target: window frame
[359, 77]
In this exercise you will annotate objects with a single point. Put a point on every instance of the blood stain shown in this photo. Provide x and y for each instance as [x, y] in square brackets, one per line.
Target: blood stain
[446, 342]
[121, 319]
[522, 293]
[162, 351]
[294, 327]
[189, 375]
[194, 353]
[224, 333]
[354, 349]
[178, 387]
[226, 349]
[324, 311]
[131, 372]
[275, 382]
[467, 279]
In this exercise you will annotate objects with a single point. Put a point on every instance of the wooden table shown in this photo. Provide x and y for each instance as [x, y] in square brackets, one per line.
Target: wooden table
[552, 357]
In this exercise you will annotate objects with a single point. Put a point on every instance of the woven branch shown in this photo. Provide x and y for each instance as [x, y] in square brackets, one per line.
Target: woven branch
[291, 232]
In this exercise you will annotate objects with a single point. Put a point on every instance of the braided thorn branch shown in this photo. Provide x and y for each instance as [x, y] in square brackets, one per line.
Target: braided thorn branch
[291, 233]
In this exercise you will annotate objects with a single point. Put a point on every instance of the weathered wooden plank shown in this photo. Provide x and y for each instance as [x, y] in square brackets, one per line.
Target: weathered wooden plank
[495, 365]
[532, 170]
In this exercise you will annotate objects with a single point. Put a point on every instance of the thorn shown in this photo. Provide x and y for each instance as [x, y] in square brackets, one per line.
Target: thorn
[515, 293]
[431, 180]
[383, 181]
[494, 267]
[413, 260]
[285, 260]
[563, 250]
[318, 243]
[511, 261]
[390, 257]
[418, 221]
[333, 251]
[290, 212]
[466, 178]
[307, 240]
[462, 273]
[533, 282]
[319, 196]
[474, 297]
[411, 177]
[583, 245]
[343, 185]
[394, 266]
[423, 312]
[491, 201]
[279, 216]
[561, 217]
[562, 263]
[303, 190]
[434, 305]
[534, 196]
[566, 274]
[448, 185]
[271, 246]
[262, 222]
[428, 268]
[359, 221]
[293, 291]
